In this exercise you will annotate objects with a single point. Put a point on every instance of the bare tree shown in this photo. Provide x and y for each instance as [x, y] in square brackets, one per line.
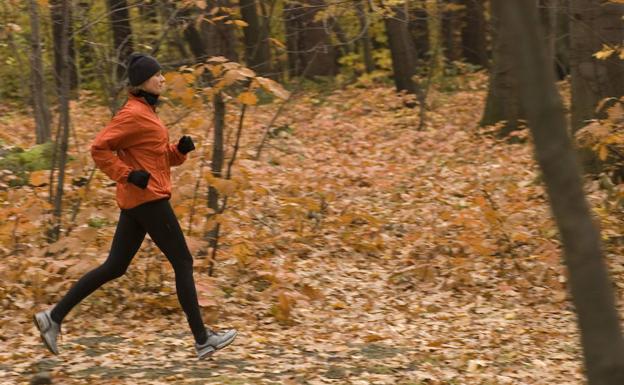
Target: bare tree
[214, 38]
[63, 51]
[594, 23]
[122, 34]
[590, 285]
[256, 37]
[473, 34]
[308, 41]
[367, 46]
[434, 25]
[37, 83]
[402, 49]
[547, 14]
[418, 26]
[218, 160]
[562, 39]
[502, 104]
[56, 14]
[451, 31]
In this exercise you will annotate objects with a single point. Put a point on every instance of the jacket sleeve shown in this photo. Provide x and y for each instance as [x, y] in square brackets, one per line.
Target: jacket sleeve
[176, 158]
[122, 132]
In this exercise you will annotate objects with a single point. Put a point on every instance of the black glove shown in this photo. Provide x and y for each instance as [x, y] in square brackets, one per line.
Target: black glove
[185, 145]
[139, 178]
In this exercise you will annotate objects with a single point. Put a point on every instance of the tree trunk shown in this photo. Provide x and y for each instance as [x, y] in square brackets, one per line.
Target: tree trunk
[419, 31]
[344, 48]
[562, 39]
[56, 15]
[37, 83]
[65, 70]
[548, 20]
[451, 32]
[257, 52]
[215, 38]
[218, 159]
[195, 41]
[434, 25]
[87, 56]
[594, 23]
[474, 46]
[367, 47]
[308, 41]
[590, 285]
[149, 11]
[402, 50]
[122, 34]
[166, 10]
[502, 104]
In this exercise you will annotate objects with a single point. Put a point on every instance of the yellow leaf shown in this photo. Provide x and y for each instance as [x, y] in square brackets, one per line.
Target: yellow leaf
[217, 59]
[215, 70]
[602, 103]
[241, 252]
[230, 77]
[604, 53]
[247, 72]
[277, 42]
[374, 337]
[282, 309]
[14, 27]
[39, 178]
[520, 236]
[273, 87]
[201, 4]
[248, 98]
[240, 23]
[311, 292]
[603, 152]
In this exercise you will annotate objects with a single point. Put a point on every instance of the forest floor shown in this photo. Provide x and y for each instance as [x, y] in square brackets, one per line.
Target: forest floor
[359, 251]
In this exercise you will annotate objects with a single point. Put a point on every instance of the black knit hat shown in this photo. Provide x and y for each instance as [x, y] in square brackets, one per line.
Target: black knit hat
[141, 67]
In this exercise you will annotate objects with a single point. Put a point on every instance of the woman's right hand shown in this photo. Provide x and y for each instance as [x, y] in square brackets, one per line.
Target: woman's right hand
[139, 178]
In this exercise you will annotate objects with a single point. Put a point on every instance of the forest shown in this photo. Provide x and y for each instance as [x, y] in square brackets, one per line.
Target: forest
[410, 192]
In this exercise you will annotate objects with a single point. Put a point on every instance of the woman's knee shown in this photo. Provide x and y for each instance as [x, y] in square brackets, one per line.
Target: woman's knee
[114, 271]
[182, 264]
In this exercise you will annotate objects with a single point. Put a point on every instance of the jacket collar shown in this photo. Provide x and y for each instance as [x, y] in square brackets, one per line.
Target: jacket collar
[141, 99]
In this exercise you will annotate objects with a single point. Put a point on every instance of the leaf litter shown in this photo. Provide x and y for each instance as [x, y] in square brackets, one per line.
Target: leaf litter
[358, 250]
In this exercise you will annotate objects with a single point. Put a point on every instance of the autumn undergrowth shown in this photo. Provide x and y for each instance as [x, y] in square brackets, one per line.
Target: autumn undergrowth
[355, 242]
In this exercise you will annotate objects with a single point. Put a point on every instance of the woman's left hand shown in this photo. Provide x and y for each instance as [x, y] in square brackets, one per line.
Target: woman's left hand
[186, 145]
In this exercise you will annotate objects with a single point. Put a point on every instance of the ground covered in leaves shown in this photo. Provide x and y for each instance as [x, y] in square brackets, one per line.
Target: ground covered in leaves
[357, 250]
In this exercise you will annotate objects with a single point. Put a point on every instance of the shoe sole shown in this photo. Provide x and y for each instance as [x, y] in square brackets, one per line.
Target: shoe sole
[219, 347]
[45, 342]
[206, 354]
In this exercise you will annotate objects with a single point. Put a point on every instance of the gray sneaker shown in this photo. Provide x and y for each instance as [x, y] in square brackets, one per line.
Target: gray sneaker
[49, 329]
[216, 341]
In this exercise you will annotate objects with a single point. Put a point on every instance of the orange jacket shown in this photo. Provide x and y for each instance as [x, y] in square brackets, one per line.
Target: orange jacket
[136, 139]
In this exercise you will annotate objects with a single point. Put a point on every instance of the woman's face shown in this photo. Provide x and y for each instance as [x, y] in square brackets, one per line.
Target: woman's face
[154, 84]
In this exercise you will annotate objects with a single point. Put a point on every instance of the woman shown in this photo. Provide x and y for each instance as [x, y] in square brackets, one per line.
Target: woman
[134, 151]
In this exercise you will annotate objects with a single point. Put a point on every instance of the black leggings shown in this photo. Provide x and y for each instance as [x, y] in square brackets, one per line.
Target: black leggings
[157, 219]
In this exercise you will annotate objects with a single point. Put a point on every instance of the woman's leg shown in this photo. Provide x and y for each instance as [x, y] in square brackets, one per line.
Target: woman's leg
[161, 224]
[128, 238]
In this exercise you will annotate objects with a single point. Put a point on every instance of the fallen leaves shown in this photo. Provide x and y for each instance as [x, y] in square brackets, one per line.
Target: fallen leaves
[365, 252]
